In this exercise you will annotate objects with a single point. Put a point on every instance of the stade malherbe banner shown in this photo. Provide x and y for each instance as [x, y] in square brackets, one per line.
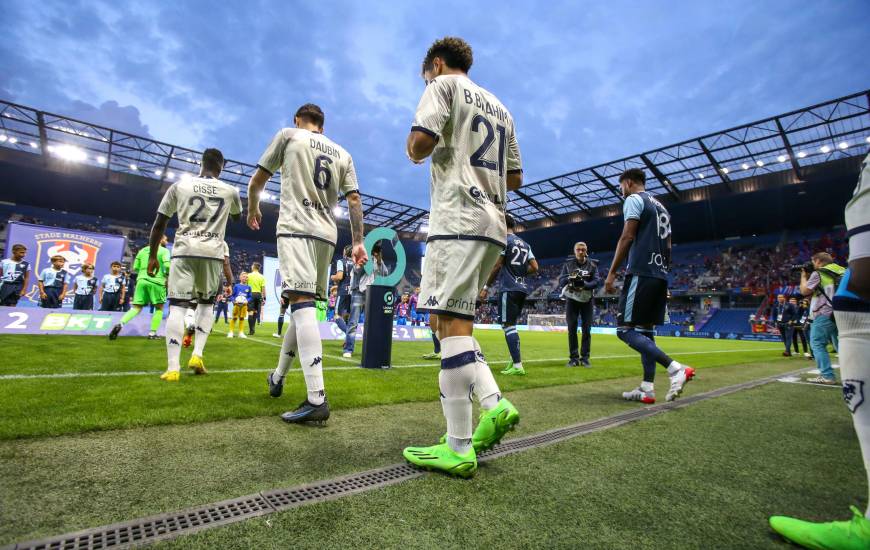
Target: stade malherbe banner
[78, 247]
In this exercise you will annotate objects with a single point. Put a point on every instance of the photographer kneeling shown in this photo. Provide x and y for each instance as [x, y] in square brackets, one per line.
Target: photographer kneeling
[579, 279]
[820, 280]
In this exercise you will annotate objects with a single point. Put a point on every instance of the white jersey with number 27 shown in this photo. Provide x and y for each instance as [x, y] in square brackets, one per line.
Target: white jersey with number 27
[203, 206]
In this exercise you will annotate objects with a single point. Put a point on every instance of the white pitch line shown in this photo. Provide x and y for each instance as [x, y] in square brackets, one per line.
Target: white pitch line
[237, 371]
[268, 343]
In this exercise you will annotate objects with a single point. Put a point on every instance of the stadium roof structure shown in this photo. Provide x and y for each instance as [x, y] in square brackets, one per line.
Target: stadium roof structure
[839, 128]
[791, 141]
[42, 133]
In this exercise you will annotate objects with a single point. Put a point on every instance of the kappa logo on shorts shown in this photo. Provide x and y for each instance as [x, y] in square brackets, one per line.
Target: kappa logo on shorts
[317, 361]
[853, 394]
[291, 354]
[173, 342]
[432, 302]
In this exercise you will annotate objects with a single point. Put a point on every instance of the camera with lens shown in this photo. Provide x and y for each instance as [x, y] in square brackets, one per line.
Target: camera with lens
[578, 278]
[808, 267]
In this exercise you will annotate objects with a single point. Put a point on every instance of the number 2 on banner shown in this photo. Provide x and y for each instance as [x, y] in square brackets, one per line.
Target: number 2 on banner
[18, 323]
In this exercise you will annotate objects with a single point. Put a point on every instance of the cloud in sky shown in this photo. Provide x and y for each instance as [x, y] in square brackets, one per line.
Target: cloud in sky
[586, 83]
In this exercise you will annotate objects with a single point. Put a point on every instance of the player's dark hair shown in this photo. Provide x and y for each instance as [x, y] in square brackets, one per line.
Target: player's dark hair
[255, 265]
[58, 256]
[212, 160]
[115, 264]
[312, 113]
[454, 51]
[18, 246]
[510, 222]
[376, 249]
[633, 174]
[348, 249]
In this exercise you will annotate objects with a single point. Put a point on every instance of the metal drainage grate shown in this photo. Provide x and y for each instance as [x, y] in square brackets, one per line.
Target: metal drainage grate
[151, 529]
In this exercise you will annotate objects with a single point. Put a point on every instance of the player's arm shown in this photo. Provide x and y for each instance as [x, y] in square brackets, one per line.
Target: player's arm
[255, 187]
[100, 291]
[158, 229]
[484, 292]
[357, 228]
[41, 286]
[859, 280]
[533, 267]
[420, 145]
[64, 289]
[629, 233]
[513, 162]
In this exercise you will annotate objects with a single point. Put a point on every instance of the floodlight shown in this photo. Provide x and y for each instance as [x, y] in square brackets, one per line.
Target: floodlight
[802, 154]
[759, 163]
[825, 149]
[843, 145]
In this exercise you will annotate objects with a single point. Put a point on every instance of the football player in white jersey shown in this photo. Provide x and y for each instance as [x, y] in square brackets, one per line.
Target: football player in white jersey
[475, 161]
[315, 173]
[203, 205]
[852, 312]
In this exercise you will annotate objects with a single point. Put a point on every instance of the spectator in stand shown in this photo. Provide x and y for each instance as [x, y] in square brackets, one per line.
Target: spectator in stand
[783, 314]
[821, 285]
[799, 323]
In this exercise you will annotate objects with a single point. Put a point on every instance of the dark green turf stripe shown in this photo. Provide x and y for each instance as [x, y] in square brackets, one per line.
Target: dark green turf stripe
[151, 529]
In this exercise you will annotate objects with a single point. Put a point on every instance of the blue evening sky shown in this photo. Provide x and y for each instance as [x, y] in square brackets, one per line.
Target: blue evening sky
[587, 82]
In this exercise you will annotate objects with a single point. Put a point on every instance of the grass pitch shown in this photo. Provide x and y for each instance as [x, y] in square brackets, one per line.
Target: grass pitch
[109, 442]
[68, 384]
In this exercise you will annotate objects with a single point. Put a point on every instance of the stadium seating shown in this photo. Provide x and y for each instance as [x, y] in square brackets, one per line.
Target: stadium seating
[728, 320]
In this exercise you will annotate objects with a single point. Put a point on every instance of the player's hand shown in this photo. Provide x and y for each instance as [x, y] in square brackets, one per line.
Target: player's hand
[43, 295]
[359, 254]
[153, 266]
[254, 218]
[483, 294]
[609, 286]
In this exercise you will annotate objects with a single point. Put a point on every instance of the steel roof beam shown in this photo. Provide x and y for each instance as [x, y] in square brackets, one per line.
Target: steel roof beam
[607, 184]
[666, 183]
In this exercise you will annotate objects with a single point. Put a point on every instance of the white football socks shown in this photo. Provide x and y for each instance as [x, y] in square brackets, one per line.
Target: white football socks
[174, 334]
[203, 321]
[854, 328]
[289, 350]
[674, 368]
[646, 386]
[456, 382]
[310, 349]
[485, 386]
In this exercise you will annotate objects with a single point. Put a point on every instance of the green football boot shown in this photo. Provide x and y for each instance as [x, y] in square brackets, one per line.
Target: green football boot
[834, 535]
[442, 457]
[512, 370]
[493, 424]
[433, 355]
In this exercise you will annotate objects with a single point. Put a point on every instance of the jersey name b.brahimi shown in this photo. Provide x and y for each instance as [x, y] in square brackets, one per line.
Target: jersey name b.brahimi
[477, 147]
[316, 173]
[203, 205]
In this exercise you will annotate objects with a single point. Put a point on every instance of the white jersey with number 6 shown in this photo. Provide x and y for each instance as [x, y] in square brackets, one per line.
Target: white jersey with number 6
[203, 206]
[315, 173]
[477, 147]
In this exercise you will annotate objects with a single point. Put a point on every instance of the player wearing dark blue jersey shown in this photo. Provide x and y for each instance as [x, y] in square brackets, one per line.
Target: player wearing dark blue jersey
[52, 283]
[14, 275]
[341, 274]
[646, 241]
[113, 288]
[511, 269]
[84, 288]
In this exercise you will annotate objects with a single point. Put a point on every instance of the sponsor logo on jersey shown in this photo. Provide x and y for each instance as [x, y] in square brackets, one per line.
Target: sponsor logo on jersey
[314, 205]
[481, 197]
